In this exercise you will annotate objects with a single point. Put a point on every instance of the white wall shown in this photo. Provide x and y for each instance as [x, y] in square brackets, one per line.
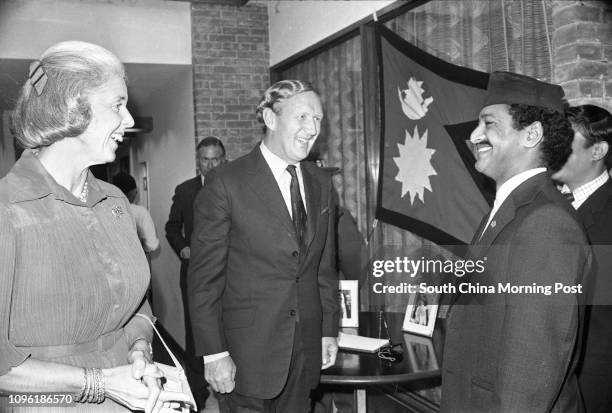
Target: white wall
[137, 31]
[296, 25]
[169, 152]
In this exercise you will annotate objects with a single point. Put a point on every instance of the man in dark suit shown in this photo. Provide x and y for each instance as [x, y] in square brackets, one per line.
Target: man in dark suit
[516, 351]
[210, 153]
[586, 177]
[263, 291]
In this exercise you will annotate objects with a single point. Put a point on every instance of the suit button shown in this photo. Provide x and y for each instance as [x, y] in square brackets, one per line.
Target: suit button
[295, 254]
[292, 313]
[297, 279]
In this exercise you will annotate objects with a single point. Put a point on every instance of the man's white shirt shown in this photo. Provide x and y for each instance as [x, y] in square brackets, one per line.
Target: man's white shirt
[583, 192]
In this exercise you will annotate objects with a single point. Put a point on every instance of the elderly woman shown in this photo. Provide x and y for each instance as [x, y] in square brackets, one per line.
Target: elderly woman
[73, 274]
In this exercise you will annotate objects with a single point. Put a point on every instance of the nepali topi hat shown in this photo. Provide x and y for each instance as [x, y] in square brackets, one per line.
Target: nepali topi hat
[512, 88]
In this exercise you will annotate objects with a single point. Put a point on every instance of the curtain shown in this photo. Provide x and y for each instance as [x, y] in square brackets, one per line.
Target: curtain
[486, 35]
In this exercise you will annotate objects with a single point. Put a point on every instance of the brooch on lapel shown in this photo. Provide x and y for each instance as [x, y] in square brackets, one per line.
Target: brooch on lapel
[117, 211]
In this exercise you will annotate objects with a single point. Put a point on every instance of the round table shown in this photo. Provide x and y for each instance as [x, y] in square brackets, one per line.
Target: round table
[420, 364]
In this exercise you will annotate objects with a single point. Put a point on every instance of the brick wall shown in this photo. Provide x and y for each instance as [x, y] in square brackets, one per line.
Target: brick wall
[582, 50]
[231, 70]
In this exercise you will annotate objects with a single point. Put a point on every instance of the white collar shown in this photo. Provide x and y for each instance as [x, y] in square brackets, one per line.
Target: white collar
[511, 184]
[583, 192]
[276, 164]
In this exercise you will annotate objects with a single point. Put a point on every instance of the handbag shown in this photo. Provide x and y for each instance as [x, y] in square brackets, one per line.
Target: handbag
[176, 380]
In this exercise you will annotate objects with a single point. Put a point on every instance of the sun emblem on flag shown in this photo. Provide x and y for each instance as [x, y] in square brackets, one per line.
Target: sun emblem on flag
[413, 104]
[414, 164]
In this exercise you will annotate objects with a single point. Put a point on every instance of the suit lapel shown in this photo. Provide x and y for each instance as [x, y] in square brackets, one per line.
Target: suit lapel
[476, 236]
[264, 185]
[586, 212]
[312, 190]
[502, 218]
[196, 185]
[523, 194]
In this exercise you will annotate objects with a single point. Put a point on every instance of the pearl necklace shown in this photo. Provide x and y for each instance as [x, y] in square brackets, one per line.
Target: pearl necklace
[84, 193]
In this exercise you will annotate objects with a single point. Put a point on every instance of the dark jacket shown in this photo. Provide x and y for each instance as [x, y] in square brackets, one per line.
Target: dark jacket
[595, 374]
[249, 282]
[180, 222]
[517, 352]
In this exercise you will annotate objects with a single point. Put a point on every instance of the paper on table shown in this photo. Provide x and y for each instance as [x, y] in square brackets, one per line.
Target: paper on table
[360, 343]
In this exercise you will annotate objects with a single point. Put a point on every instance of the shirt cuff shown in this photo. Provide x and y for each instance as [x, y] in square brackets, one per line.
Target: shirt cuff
[215, 357]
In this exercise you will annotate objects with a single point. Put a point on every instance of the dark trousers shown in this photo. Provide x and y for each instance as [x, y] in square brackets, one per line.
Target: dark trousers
[194, 366]
[293, 398]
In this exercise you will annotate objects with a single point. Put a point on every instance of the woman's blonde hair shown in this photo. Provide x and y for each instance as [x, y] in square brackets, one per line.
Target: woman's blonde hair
[58, 107]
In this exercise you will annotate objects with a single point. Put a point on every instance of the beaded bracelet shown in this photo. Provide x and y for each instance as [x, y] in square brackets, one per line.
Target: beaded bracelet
[99, 386]
[93, 389]
[92, 385]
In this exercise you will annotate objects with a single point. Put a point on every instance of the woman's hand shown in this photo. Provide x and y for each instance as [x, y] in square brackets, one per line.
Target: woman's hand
[141, 358]
[144, 370]
[139, 361]
[145, 394]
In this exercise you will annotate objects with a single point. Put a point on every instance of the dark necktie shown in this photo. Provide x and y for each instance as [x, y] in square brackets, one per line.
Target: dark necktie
[569, 196]
[298, 211]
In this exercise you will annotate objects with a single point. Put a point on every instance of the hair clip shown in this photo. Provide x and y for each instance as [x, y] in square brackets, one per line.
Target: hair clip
[38, 77]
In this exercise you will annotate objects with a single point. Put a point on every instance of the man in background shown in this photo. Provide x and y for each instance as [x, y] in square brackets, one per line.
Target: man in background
[262, 284]
[508, 352]
[587, 181]
[210, 153]
[144, 222]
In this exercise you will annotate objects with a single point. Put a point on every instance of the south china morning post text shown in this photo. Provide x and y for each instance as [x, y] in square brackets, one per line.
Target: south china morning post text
[426, 269]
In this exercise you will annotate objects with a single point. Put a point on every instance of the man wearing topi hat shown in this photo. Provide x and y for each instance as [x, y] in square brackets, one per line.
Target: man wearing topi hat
[515, 349]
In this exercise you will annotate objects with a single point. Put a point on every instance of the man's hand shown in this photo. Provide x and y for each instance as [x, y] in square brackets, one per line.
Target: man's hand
[185, 253]
[220, 374]
[329, 347]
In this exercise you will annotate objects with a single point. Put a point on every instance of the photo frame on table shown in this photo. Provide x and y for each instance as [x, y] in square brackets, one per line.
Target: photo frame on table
[421, 353]
[349, 303]
[421, 314]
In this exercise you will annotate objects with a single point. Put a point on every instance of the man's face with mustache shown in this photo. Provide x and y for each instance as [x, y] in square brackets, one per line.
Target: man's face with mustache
[497, 143]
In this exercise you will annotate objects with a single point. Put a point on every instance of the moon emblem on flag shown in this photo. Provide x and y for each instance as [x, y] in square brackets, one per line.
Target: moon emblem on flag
[414, 164]
[413, 104]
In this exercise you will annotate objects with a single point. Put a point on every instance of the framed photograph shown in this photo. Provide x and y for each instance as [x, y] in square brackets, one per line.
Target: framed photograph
[349, 303]
[421, 314]
[422, 356]
[421, 353]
